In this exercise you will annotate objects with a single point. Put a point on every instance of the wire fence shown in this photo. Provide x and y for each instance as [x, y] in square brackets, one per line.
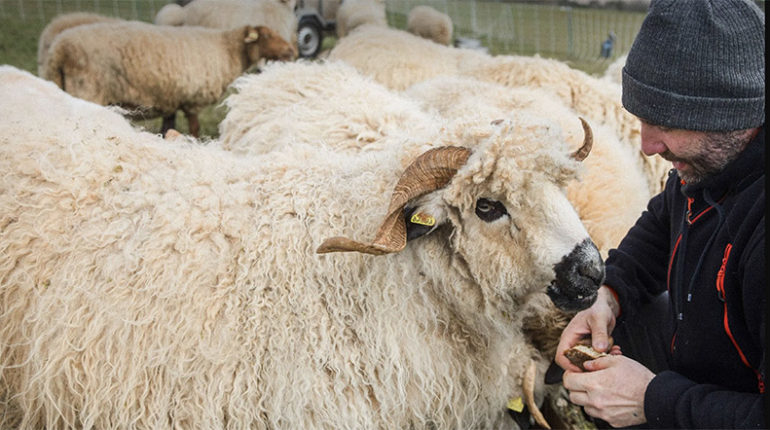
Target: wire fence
[587, 37]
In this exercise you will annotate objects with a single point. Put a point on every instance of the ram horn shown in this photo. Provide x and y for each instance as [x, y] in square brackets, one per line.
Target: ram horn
[428, 172]
[588, 142]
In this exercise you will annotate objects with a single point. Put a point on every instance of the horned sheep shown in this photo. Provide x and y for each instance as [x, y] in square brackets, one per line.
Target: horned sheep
[60, 23]
[139, 65]
[156, 284]
[399, 60]
[427, 22]
[228, 14]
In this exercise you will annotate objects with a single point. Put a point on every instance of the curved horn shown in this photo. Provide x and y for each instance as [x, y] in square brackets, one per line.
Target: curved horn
[428, 172]
[588, 142]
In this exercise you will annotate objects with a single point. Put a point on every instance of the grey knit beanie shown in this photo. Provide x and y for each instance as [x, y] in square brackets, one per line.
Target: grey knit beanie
[698, 65]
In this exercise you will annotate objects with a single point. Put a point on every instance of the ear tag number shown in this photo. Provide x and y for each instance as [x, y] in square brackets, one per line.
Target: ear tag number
[422, 219]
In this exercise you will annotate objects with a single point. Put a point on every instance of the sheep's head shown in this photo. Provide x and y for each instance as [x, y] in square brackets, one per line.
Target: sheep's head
[264, 42]
[502, 209]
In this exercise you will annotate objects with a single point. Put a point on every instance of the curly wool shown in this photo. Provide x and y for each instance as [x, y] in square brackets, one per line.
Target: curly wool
[399, 60]
[146, 286]
[324, 103]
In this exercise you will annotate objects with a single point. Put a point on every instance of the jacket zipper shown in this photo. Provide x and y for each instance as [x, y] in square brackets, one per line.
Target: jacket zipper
[722, 298]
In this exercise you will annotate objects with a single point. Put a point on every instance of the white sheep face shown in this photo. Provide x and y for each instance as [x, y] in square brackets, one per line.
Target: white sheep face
[511, 223]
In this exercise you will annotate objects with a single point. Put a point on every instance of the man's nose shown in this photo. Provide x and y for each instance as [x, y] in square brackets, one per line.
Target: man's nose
[652, 140]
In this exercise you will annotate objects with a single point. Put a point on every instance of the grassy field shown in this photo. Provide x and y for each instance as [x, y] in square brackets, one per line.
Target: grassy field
[573, 35]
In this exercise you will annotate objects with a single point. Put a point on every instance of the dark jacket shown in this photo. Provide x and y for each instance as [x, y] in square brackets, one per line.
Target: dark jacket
[705, 243]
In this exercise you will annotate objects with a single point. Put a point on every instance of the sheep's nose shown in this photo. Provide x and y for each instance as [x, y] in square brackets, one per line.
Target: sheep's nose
[578, 277]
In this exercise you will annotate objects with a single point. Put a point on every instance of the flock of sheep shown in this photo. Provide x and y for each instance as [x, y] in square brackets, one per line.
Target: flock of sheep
[390, 237]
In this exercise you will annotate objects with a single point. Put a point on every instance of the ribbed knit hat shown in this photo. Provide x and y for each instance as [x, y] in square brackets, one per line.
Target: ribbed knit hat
[698, 65]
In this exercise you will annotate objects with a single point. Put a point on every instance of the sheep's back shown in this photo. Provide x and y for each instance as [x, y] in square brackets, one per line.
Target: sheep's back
[142, 65]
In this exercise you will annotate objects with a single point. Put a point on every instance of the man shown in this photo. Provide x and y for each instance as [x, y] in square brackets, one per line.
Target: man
[695, 77]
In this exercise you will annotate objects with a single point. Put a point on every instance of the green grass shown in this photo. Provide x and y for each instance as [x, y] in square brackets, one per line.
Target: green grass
[503, 27]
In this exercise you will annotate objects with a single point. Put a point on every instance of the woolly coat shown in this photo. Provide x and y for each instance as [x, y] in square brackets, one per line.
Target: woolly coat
[156, 284]
[161, 68]
[714, 269]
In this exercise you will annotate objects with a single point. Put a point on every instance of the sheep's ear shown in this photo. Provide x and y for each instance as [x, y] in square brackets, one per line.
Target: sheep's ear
[420, 222]
[251, 35]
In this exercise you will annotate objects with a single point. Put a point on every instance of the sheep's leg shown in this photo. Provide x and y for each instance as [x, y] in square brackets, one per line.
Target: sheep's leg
[192, 121]
[528, 386]
[169, 122]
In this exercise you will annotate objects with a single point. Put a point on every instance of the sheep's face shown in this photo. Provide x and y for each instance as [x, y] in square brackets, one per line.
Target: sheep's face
[501, 211]
[509, 221]
[264, 42]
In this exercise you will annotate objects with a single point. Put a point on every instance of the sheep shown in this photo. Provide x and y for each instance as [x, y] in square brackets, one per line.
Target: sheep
[398, 61]
[612, 193]
[427, 22]
[228, 14]
[155, 284]
[327, 103]
[356, 13]
[170, 14]
[60, 23]
[137, 64]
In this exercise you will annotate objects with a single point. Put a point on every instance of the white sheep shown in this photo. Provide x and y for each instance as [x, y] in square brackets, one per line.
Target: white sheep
[331, 104]
[60, 23]
[324, 103]
[612, 193]
[356, 13]
[149, 67]
[170, 14]
[227, 14]
[427, 22]
[399, 61]
[155, 284]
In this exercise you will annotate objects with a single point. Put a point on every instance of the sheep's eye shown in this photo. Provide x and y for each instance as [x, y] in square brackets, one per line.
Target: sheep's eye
[489, 210]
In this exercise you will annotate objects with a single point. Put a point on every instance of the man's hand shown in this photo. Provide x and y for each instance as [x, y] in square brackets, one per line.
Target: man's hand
[612, 389]
[596, 321]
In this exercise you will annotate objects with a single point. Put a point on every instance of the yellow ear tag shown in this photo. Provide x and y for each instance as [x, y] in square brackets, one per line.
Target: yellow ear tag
[423, 219]
[516, 405]
[251, 37]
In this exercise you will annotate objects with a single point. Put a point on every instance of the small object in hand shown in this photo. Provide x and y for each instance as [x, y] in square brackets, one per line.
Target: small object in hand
[582, 352]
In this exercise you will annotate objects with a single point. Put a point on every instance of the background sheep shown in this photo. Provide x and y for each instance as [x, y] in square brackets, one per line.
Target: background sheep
[59, 24]
[355, 13]
[227, 14]
[325, 103]
[427, 22]
[399, 62]
[208, 277]
[170, 14]
[156, 71]
[399, 59]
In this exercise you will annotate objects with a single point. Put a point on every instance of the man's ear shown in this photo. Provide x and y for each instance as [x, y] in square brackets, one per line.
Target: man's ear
[422, 220]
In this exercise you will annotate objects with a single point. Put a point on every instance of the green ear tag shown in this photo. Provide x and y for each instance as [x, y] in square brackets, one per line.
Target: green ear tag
[423, 219]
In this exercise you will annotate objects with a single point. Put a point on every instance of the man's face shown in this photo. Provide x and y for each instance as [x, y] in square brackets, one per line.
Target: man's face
[694, 154]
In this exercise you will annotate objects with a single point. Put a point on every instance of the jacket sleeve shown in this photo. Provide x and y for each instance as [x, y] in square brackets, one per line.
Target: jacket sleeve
[637, 269]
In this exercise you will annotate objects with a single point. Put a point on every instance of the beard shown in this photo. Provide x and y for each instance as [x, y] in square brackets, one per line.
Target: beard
[714, 151]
